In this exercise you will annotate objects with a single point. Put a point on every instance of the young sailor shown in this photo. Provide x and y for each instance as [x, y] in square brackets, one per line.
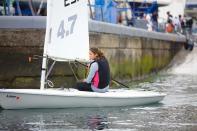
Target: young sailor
[98, 78]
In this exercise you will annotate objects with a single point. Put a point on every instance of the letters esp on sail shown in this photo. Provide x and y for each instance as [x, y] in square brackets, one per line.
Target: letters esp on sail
[67, 37]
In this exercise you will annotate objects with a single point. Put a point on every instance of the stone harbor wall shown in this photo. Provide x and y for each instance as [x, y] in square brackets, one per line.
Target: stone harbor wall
[132, 53]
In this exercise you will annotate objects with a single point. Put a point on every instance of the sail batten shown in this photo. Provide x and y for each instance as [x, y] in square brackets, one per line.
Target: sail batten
[69, 36]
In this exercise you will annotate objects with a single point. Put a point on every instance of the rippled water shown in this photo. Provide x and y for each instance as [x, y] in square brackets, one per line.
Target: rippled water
[177, 112]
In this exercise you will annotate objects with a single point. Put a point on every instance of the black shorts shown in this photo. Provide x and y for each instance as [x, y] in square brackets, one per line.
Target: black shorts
[83, 86]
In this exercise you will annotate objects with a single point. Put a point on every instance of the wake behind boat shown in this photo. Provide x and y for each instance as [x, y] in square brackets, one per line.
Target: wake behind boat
[50, 98]
[66, 32]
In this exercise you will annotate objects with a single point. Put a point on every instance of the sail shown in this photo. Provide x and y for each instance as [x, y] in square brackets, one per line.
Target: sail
[67, 37]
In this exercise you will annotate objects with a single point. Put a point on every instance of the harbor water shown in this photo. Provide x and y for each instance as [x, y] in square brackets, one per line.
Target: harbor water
[177, 112]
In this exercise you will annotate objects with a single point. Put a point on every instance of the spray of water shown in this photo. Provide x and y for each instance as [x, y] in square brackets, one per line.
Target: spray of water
[185, 63]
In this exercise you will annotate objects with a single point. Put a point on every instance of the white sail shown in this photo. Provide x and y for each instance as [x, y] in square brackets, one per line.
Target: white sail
[68, 37]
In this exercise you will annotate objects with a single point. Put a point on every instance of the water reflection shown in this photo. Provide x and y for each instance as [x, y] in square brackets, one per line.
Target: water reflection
[53, 119]
[97, 122]
[178, 111]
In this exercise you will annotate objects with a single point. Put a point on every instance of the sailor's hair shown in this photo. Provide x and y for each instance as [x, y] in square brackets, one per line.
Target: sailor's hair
[97, 51]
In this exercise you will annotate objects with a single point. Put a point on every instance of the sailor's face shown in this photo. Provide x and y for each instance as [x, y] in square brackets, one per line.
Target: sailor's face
[92, 56]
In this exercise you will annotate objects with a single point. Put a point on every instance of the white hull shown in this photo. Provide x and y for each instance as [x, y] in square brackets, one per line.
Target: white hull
[32, 98]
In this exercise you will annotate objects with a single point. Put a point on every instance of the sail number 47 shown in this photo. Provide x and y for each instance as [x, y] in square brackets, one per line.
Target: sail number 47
[61, 30]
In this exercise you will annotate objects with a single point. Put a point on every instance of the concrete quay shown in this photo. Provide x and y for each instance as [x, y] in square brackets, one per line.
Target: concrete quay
[133, 53]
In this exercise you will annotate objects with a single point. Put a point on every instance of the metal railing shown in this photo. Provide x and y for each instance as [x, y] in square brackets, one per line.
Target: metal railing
[22, 7]
[97, 11]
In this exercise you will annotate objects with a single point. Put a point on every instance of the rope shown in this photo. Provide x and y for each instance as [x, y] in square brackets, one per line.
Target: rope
[73, 71]
[50, 83]
[50, 69]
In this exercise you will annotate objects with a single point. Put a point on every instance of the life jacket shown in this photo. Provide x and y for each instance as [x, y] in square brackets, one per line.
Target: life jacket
[101, 78]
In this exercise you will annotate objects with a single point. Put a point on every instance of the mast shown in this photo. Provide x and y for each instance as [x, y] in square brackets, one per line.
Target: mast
[43, 72]
[47, 41]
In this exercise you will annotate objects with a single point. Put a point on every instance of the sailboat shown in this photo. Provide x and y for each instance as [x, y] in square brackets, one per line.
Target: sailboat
[67, 39]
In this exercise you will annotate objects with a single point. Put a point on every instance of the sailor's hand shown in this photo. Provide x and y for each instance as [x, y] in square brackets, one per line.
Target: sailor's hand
[88, 66]
[83, 80]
